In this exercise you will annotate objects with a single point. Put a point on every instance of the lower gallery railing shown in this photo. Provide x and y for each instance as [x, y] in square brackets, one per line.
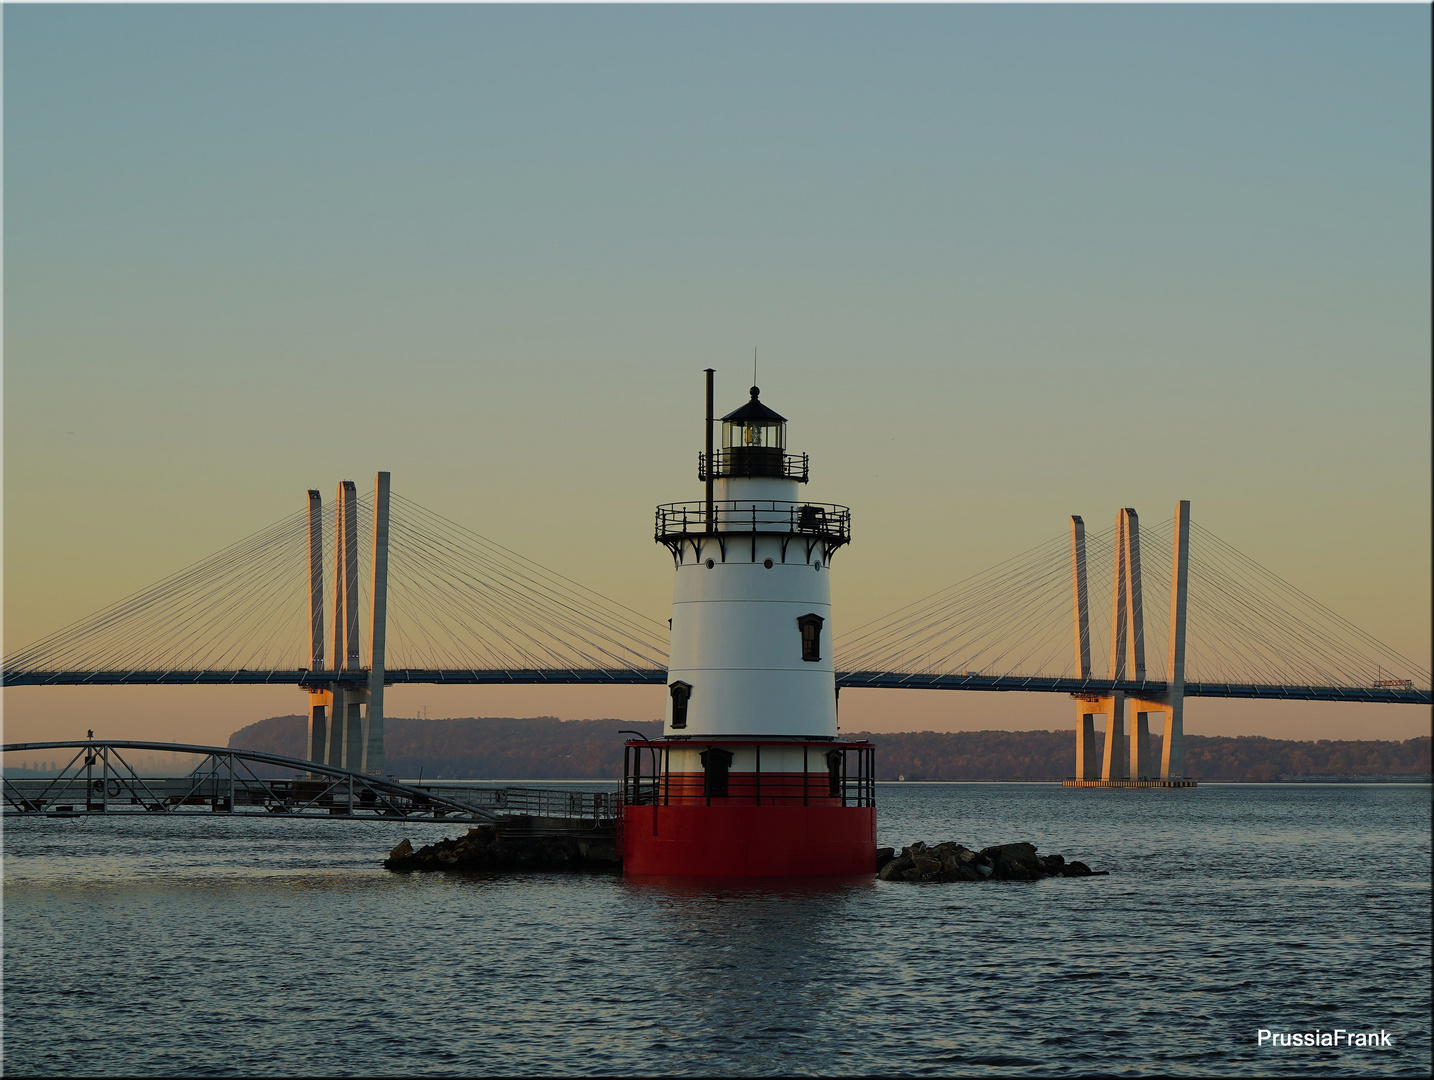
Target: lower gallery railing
[848, 778]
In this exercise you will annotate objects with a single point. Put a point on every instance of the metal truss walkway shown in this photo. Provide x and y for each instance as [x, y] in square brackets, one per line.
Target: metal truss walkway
[98, 778]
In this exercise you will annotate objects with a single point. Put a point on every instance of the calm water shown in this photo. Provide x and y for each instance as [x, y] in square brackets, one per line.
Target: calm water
[226, 946]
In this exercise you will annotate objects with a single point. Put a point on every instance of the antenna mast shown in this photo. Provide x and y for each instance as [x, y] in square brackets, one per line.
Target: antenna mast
[711, 464]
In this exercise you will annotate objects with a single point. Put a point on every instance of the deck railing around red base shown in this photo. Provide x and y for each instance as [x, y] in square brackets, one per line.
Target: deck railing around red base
[848, 780]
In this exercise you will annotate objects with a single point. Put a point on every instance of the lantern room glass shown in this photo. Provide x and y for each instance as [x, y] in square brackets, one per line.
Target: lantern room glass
[754, 433]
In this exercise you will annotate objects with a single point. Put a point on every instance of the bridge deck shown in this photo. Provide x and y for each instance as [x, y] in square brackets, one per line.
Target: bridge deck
[1406, 695]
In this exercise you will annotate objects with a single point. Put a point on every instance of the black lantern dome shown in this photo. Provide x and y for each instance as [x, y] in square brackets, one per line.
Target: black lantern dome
[754, 425]
[754, 442]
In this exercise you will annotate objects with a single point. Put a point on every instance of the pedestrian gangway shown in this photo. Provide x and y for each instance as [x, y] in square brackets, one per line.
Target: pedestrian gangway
[98, 778]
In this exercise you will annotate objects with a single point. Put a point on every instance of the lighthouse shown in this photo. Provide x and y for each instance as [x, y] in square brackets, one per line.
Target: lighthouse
[749, 778]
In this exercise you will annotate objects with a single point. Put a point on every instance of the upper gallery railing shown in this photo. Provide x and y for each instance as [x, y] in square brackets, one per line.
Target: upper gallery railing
[769, 461]
[825, 521]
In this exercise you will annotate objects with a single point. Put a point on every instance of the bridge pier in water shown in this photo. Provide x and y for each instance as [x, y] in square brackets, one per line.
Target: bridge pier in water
[1113, 760]
[1087, 750]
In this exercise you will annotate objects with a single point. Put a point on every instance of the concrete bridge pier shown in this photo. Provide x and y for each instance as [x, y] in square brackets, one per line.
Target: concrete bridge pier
[1094, 760]
[1087, 764]
[1113, 760]
[346, 733]
[316, 745]
[1172, 755]
[1142, 767]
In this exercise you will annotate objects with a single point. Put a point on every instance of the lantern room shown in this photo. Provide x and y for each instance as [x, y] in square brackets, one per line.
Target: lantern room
[754, 442]
[754, 425]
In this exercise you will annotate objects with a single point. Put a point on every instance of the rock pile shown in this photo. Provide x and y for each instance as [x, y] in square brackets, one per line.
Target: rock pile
[487, 847]
[955, 862]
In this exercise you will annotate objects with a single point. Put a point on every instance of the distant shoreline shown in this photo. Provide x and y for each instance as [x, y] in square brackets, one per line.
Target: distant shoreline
[534, 750]
[531, 750]
[1298, 781]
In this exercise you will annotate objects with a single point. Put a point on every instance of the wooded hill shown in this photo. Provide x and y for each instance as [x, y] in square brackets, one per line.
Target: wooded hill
[545, 748]
[476, 748]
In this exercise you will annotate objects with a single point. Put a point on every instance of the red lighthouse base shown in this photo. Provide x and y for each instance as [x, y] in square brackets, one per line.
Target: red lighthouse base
[749, 841]
[757, 822]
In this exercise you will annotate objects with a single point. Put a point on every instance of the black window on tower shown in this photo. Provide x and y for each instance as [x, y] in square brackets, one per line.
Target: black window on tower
[811, 628]
[680, 692]
[715, 766]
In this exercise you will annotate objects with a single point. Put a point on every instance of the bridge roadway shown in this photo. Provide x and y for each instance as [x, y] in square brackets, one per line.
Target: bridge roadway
[892, 680]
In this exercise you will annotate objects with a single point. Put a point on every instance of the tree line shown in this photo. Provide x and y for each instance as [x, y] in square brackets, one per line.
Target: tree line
[1050, 755]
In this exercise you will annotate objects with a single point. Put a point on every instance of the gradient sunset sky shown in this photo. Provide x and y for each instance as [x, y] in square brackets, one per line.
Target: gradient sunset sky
[1002, 264]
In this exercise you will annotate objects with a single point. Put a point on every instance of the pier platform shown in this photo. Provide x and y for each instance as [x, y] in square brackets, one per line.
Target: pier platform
[1129, 783]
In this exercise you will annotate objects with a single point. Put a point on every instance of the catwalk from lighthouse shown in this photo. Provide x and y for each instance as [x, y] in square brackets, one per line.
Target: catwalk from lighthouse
[749, 778]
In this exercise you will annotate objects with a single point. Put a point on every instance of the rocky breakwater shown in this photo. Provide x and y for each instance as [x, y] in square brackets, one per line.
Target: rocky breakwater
[514, 845]
[956, 862]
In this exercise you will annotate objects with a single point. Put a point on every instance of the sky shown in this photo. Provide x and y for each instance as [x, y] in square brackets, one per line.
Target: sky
[1001, 265]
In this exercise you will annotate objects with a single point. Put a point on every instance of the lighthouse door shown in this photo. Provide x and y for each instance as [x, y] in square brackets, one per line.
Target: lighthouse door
[836, 767]
[716, 763]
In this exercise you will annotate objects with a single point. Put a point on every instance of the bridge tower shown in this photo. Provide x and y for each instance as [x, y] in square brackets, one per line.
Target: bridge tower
[1171, 703]
[1126, 622]
[1127, 652]
[749, 778]
[1131, 759]
[346, 706]
[1089, 706]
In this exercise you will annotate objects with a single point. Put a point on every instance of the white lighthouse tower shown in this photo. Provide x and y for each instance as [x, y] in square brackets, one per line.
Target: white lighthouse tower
[749, 777]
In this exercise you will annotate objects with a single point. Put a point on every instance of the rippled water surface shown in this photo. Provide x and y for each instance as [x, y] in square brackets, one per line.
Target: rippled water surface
[231, 946]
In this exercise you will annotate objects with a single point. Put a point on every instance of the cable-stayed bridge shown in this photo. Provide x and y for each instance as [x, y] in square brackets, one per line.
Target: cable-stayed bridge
[457, 608]
[423, 599]
[1035, 622]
